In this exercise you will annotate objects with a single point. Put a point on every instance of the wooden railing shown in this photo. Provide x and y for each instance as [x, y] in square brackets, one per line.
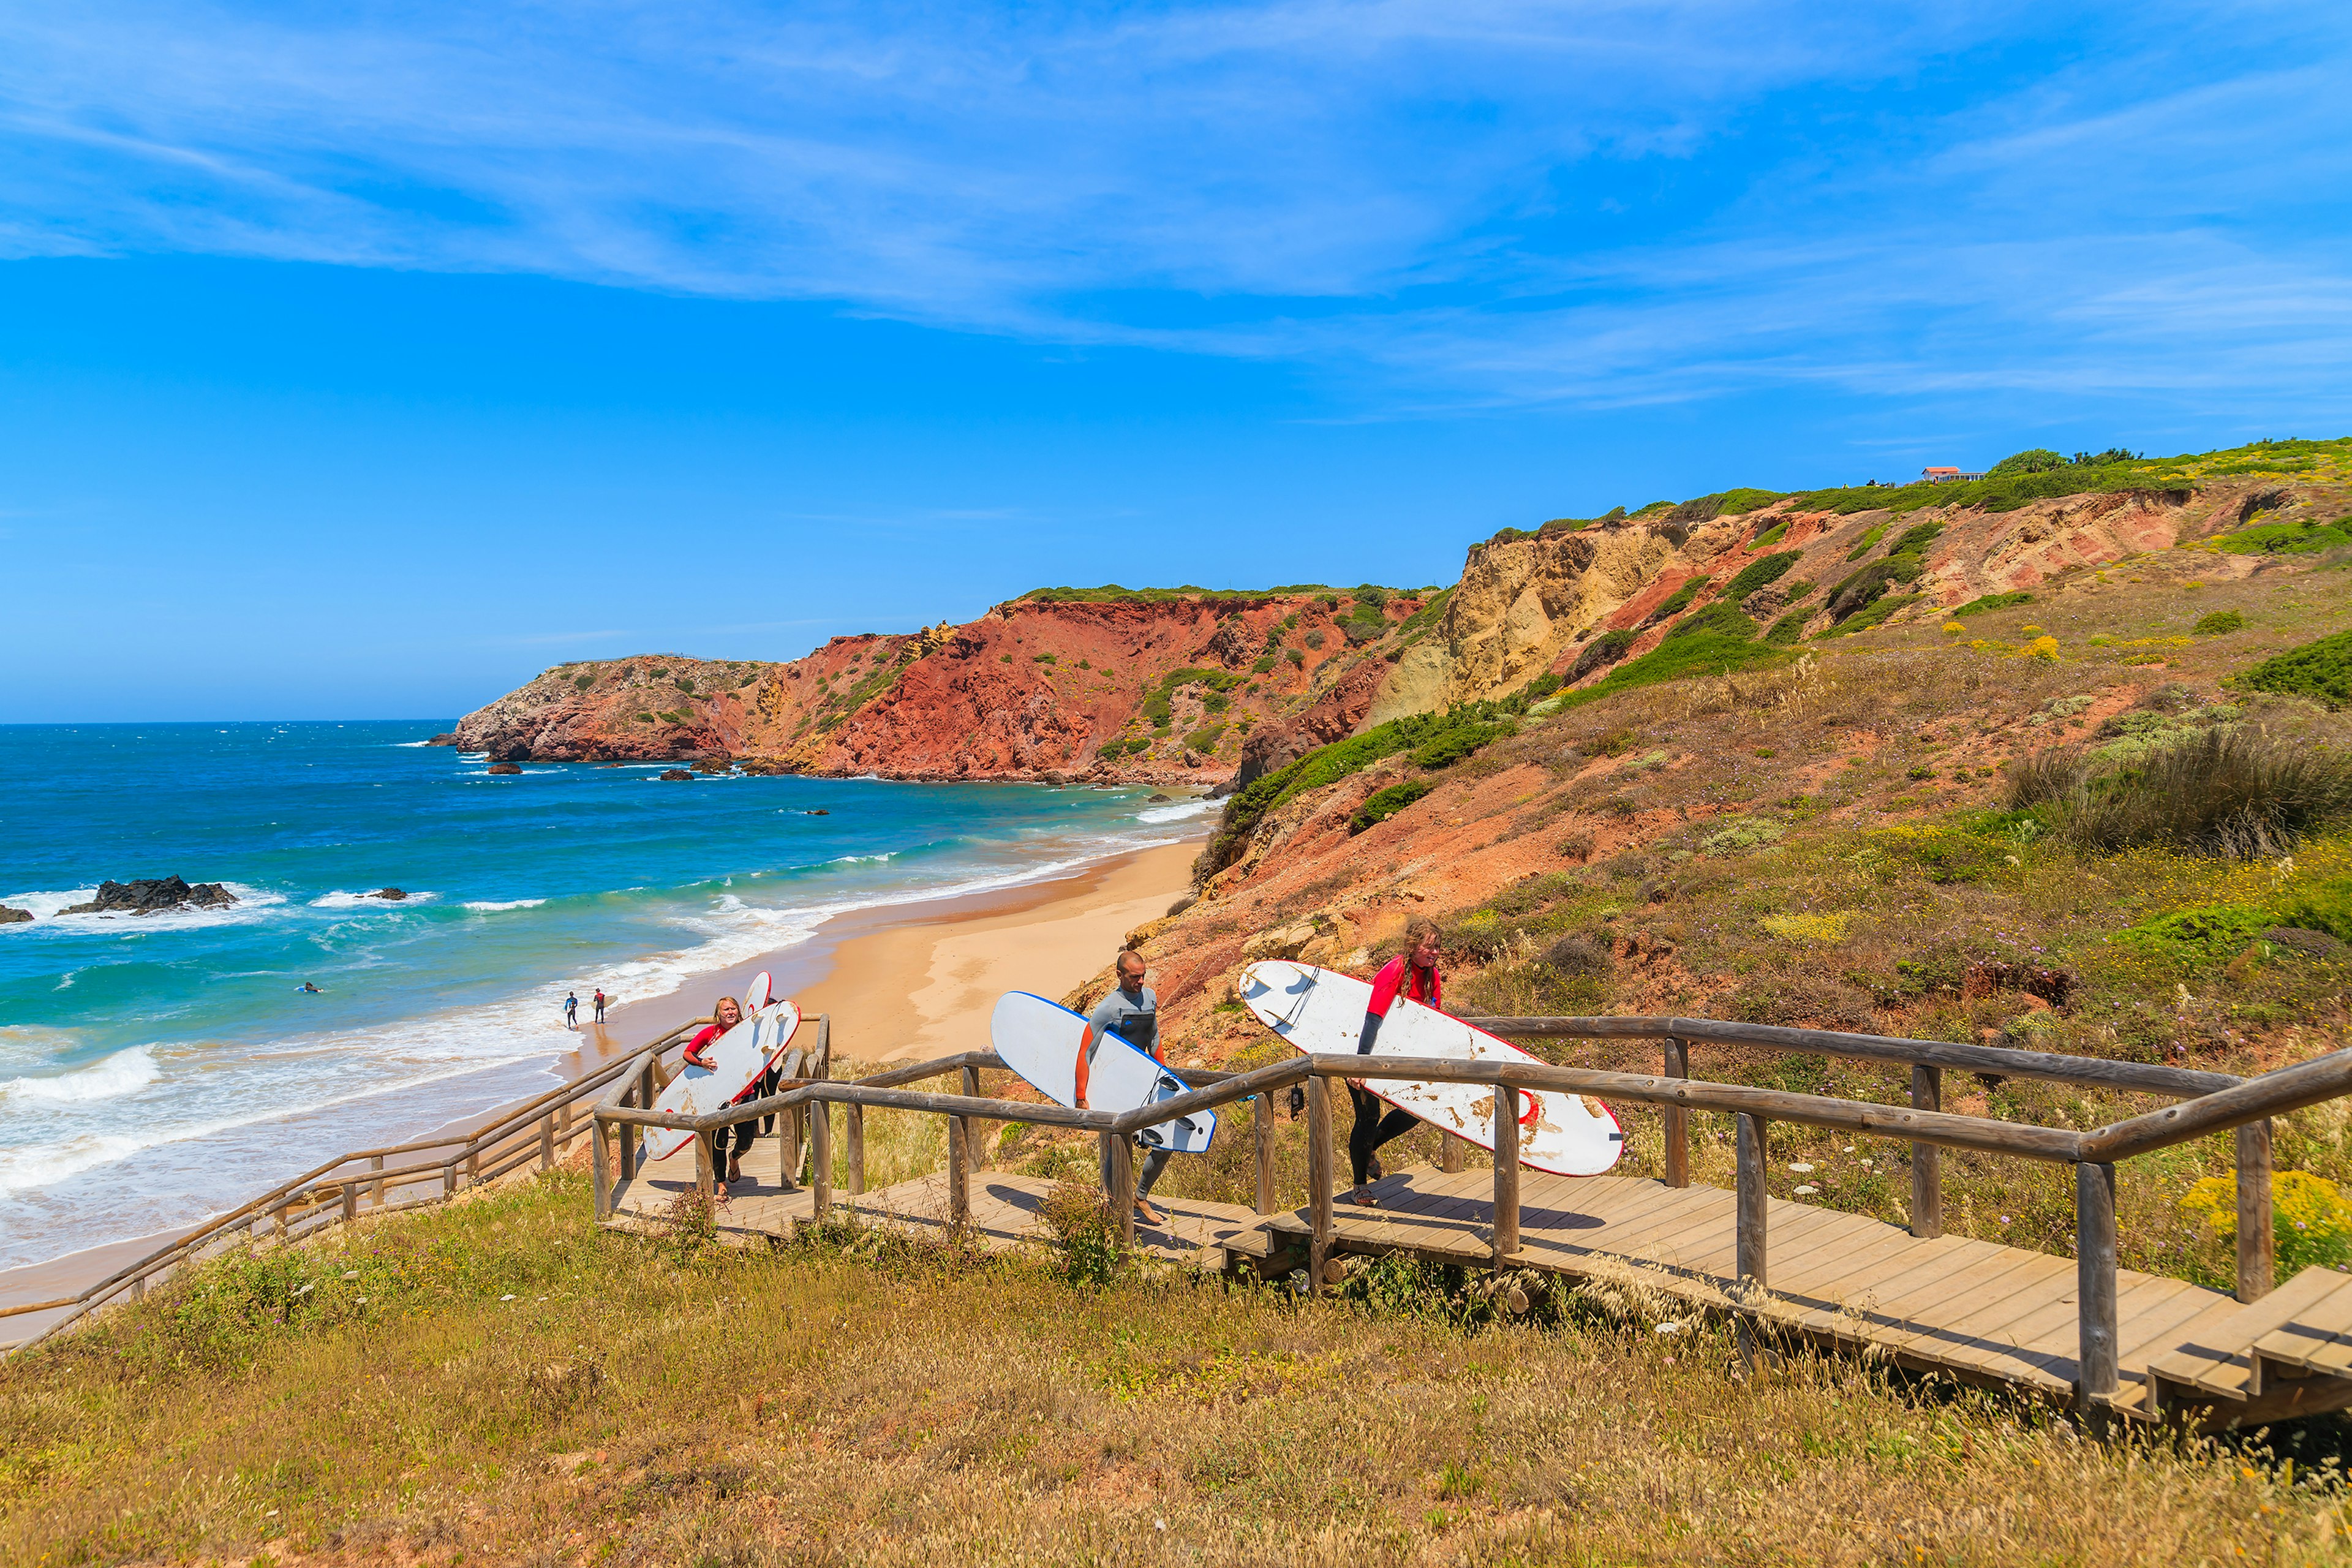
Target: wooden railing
[363, 1183]
[2221, 1103]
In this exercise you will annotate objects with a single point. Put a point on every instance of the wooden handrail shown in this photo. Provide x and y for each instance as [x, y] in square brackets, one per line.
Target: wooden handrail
[1999, 1061]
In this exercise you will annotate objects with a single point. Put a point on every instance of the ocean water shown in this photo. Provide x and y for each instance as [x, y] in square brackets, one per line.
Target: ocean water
[172, 1061]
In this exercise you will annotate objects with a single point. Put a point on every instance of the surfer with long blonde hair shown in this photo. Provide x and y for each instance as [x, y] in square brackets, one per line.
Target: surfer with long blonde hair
[1411, 974]
[725, 1014]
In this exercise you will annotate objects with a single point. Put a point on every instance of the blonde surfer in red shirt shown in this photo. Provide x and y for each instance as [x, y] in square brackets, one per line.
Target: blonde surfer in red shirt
[725, 1014]
[1411, 973]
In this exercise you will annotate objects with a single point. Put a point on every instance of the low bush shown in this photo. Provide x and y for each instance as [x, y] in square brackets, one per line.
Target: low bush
[1454, 742]
[2226, 792]
[2287, 538]
[1382, 804]
[2320, 670]
[1874, 615]
[1760, 573]
[1722, 617]
[1204, 739]
[1702, 653]
[1605, 649]
[1785, 631]
[2218, 623]
[2311, 1221]
[1676, 602]
[2033, 460]
[1989, 602]
[1747, 499]
[1769, 537]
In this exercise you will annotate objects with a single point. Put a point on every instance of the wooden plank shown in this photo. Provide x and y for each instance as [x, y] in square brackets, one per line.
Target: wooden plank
[1670, 1212]
[2051, 1337]
[1949, 1313]
[2217, 1360]
[2318, 1338]
[1866, 1290]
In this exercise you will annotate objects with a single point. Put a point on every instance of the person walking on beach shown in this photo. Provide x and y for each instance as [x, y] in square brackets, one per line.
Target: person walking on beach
[1412, 974]
[1132, 1012]
[570, 1010]
[600, 1003]
[725, 1014]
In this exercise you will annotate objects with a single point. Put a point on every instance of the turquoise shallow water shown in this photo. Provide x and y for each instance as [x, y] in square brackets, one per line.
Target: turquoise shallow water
[174, 1056]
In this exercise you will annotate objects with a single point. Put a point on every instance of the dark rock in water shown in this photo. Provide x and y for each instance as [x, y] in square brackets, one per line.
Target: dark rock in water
[714, 766]
[1156, 799]
[389, 895]
[9, 917]
[442, 741]
[679, 774]
[153, 896]
[819, 812]
[1221, 789]
[506, 767]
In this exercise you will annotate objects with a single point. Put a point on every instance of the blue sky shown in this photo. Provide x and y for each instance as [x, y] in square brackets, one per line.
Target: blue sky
[364, 360]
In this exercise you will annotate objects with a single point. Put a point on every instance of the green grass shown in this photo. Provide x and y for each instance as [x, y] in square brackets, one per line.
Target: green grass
[1978, 606]
[2286, 538]
[1382, 804]
[1722, 617]
[1678, 601]
[1702, 653]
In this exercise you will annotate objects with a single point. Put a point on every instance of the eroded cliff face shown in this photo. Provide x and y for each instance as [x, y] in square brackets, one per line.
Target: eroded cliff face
[1199, 689]
[1157, 691]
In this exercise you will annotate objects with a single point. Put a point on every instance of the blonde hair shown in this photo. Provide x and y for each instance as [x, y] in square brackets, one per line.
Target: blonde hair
[721, 1003]
[1415, 929]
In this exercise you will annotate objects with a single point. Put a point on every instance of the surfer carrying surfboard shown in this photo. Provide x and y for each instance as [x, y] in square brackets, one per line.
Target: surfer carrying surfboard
[725, 1014]
[1131, 1011]
[1411, 974]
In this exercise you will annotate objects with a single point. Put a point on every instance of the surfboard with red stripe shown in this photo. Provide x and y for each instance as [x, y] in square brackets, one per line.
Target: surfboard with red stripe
[1321, 1012]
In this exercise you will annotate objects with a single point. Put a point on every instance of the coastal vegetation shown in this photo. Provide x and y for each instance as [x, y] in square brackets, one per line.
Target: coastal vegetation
[500, 1380]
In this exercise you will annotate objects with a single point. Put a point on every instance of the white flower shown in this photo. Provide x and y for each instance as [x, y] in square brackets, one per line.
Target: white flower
[1669, 1327]
[1802, 1170]
[506, 1298]
[1807, 1192]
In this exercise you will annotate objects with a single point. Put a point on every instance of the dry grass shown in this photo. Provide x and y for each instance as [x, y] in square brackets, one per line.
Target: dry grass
[632, 1407]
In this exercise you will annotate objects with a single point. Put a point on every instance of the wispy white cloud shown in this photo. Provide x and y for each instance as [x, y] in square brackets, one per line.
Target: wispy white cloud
[1450, 205]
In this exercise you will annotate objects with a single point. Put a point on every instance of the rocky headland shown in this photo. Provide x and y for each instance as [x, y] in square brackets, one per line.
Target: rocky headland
[1212, 689]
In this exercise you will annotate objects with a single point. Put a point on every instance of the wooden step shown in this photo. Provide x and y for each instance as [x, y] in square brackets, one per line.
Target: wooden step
[2216, 1361]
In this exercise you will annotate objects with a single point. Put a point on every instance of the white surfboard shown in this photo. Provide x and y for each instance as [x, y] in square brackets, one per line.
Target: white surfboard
[739, 1056]
[1041, 1040]
[1321, 1012]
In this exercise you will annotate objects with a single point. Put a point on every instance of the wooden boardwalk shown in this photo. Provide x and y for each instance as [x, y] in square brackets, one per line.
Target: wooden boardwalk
[1990, 1315]
[1006, 1209]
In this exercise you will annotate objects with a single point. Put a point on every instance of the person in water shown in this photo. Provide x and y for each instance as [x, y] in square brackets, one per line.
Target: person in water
[1131, 1012]
[1412, 974]
[725, 1014]
[308, 989]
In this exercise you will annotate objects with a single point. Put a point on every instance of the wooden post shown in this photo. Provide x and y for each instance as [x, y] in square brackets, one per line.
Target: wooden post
[788, 1150]
[376, 1163]
[978, 1130]
[473, 1164]
[1927, 1160]
[1451, 1153]
[821, 1151]
[604, 1175]
[1749, 1249]
[1506, 1172]
[547, 1142]
[449, 1180]
[1678, 1120]
[2095, 1286]
[1121, 1195]
[958, 1170]
[1263, 1125]
[277, 1217]
[703, 1175]
[2256, 1266]
[852, 1121]
[139, 1289]
[628, 1162]
[1318, 1180]
[563, 1125]
[350, 1201]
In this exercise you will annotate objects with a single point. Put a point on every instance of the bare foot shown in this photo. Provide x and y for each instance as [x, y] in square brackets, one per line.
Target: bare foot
[1148, 1215]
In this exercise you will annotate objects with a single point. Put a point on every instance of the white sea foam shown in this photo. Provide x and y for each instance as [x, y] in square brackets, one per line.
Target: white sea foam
[339, 899]
[489, 906]
[409, 746]
[1178, 812]
[48, 910]
[120, 1074]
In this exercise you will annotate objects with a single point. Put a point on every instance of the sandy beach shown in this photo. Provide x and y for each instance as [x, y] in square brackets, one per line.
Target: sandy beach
[902, 981]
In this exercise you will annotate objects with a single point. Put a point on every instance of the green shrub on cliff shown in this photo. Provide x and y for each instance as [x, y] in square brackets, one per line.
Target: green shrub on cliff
[1760, 574]
[2320, 670]
[1385, 803]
